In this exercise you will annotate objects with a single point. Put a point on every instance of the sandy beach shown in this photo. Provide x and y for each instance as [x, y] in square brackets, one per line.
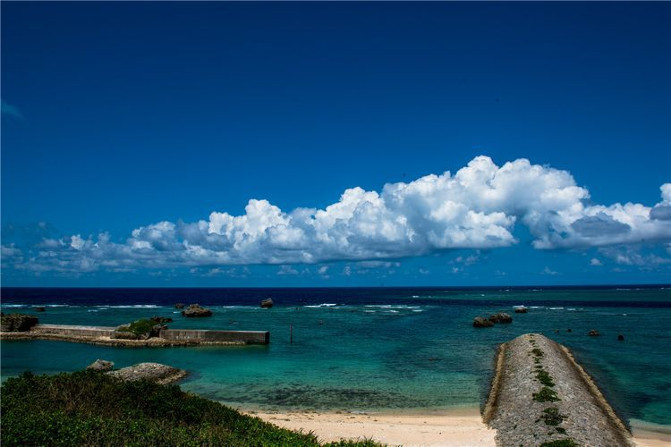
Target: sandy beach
[463, 428]
[459, 428]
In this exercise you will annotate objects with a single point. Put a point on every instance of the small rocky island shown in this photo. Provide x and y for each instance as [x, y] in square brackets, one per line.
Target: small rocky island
[196, 311]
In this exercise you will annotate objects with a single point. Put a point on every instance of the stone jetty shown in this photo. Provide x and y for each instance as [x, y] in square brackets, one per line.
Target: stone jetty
[541, 396]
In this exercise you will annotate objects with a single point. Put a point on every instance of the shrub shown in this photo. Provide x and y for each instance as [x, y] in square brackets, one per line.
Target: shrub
[551, 416]
[544, 378]
[140, 328]
[545, 395]
[91, 408]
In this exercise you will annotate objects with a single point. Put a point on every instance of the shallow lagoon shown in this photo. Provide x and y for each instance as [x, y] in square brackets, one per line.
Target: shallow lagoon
[369, 349]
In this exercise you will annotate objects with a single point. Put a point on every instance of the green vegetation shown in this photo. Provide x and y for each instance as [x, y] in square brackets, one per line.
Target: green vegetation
[139, 327]
[551, 416]
[537, 352]
[91, 408]
[545, 395]
[561, 430]
[568, 442]
[544, 378]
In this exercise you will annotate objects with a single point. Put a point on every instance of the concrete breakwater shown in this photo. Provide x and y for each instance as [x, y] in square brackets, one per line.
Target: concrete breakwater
[541, 396]
[102, 335]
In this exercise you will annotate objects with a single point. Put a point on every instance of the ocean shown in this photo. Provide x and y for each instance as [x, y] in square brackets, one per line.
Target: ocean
[369, 349]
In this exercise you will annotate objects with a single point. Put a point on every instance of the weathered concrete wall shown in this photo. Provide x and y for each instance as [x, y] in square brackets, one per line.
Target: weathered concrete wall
[78, 331]
[171, 337]
[247, 337]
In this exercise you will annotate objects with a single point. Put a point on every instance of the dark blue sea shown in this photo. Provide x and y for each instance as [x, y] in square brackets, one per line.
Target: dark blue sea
[369, 349]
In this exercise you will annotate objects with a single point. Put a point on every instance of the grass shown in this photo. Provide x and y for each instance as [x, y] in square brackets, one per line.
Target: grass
[545, 395]
[91, 408]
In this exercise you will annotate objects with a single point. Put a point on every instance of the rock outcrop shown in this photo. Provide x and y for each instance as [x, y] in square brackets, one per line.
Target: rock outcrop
[195, 310]
[17, 322]
[267, 303]
[154, 372]
[501, 317]
[482, 322]
[101, 365]
[161, 320]
[138, 330]
[521, 310]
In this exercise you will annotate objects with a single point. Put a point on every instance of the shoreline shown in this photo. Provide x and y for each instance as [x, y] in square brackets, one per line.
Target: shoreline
[460, 427]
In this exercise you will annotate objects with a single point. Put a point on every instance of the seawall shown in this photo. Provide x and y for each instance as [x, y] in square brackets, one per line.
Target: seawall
[246, 337]
[102, 335]
[540, 394]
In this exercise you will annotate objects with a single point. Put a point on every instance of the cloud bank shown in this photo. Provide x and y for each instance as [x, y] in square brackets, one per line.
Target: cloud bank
[478, 208]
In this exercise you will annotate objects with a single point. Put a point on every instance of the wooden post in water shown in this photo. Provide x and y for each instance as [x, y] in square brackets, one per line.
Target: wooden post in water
[291, 334]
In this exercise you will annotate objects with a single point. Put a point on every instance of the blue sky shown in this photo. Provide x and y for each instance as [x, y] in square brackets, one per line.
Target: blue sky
[135, 134]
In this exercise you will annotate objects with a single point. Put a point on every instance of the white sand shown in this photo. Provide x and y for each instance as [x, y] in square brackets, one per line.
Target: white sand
[462, 429]
[458, 428]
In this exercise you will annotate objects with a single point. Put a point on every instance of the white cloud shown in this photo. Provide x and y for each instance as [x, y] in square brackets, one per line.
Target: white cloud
[77, 242]
[634, 256]
[475, 208]
[548, 271]
[287, 270]
[595, 262]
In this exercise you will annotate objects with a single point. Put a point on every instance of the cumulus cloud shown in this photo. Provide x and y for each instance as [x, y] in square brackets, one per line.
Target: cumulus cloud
[478, 207]
[633, 255]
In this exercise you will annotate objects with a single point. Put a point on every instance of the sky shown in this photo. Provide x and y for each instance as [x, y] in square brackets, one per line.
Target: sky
[335, 144]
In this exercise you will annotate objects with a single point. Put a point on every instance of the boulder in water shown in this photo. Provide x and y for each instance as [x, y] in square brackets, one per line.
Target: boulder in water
[501, 317]
[482, 322]
[520, 309]
[195, 310]
[161, 320]
[179, 306]
[267, 303]
[593, 333]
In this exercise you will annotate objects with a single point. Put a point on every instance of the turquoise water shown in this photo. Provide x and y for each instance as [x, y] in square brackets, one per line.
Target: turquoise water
[412, 349]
